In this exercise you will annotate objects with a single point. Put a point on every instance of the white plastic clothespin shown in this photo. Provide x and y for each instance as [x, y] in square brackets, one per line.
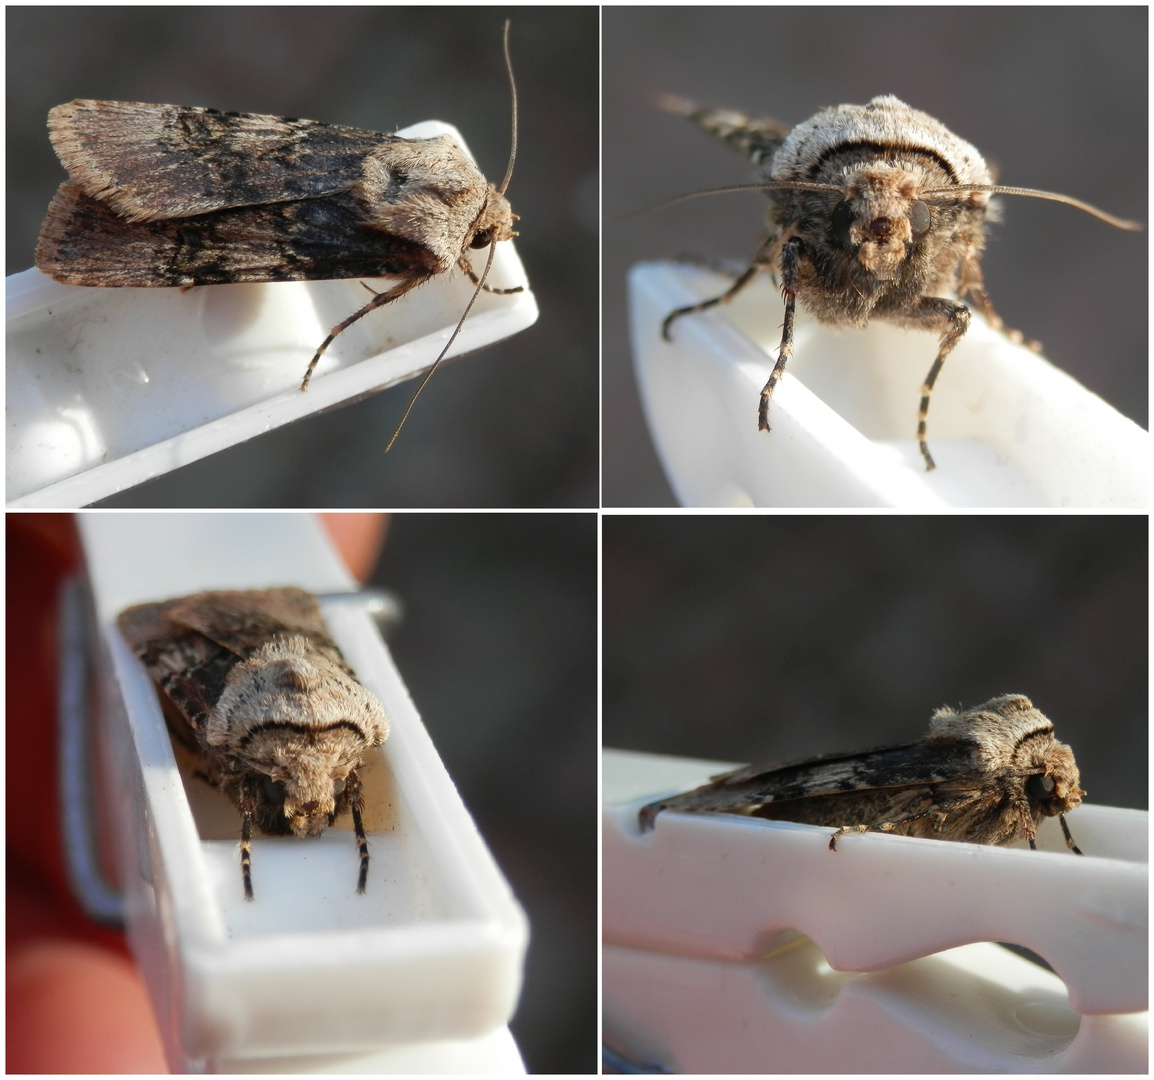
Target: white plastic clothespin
[731, 943]
[418, 974]
[1006, 427]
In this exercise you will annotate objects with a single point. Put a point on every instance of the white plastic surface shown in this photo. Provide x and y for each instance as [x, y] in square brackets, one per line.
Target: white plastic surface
[432, 951]
[1006, 428]
[107, 388]
[724, 937]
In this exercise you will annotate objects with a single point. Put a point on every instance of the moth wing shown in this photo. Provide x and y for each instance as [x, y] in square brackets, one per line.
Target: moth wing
[189, 668]
[244, 621]
[746, 789]
[156, 162]
[85, 242]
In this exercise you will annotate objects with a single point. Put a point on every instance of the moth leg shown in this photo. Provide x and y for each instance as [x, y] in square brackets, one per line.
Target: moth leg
[378, 300]
[247, 804]
[1066, 833]
[356, 798]
[790, 260]
[464, 265]
[938, 313]
[761, 261]
[890, 826]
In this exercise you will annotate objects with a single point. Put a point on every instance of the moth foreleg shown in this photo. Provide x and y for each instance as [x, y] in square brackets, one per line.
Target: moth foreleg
[247, 805]
[761, 261]
[790, 261]
[1066, 832]
[938, 313]
[356, 798]
[464, 264]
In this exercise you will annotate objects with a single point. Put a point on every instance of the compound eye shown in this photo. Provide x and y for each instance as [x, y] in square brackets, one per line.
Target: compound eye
[920, 219]
[1040, 788]
[482, 239]
[274, 791]
[842, 222]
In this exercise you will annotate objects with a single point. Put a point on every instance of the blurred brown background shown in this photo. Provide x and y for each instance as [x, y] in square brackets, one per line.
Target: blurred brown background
[514, 426]
[1054, 97]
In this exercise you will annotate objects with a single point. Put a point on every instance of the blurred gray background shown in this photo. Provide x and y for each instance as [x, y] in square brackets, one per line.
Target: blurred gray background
[498, 648]
[759, 639]
[515, 426]
[1054, 98]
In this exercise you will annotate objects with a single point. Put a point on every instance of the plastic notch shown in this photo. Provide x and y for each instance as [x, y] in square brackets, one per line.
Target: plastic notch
[1006, 427]
[108, 388]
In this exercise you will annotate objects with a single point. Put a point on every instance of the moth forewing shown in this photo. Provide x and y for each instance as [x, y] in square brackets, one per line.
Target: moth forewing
[280, 722]
[986, 775]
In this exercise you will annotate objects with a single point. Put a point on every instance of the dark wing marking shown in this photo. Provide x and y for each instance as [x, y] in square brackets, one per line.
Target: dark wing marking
[168, 161]
[753, 788]
[85, 242]
[189, 668]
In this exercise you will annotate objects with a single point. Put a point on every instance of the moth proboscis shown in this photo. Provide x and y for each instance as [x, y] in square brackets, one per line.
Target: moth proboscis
[166, 195]
[879, 212]
[986, 775]
[253, 682]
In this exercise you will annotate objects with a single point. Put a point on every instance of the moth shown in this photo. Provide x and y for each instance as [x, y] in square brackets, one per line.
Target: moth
[166, 195]
[878, 212]
[980, 776]
[254, 684]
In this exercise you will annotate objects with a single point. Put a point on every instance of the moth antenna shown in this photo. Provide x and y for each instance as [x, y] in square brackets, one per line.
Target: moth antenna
[513, 94]
[997, 189]
[798, 186]
[488, 262]
[448, 345]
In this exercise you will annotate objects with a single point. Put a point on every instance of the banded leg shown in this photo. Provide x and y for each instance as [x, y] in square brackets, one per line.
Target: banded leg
[378, 300]
[356, 799]
[763, 260]
[247, 805]
[790, 260]
[938, 313]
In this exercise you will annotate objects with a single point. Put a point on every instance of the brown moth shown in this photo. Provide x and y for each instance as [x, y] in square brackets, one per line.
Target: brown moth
[879, 212]
[980, 776]
[169, 195]
[253, 682]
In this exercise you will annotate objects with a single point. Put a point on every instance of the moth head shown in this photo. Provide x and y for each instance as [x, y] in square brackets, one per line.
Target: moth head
[1054, 788]
[494, 223]
[881, 217]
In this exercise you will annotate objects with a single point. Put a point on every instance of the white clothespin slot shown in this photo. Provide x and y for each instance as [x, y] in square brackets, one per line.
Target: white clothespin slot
[729, 942]
[1006, 428]
[108, 388]
[420, 973]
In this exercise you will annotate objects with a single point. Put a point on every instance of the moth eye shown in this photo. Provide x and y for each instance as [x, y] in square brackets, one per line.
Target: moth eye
[1040, 787]
[481, 239]
[273, 791]
[920, 218]
[842, 220]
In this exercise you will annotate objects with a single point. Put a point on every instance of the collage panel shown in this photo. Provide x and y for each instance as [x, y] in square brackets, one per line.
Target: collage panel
[872, 105]
[335, 776]
[923, 680]
[172, 396]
